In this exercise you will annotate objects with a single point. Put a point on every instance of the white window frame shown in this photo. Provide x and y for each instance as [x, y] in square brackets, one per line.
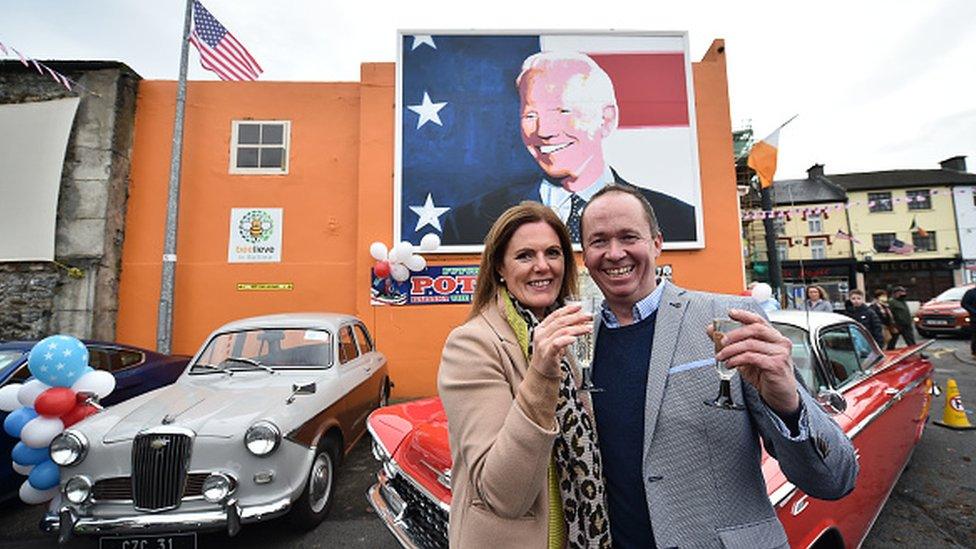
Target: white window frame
[815, 223]
[286, 143]
[783, 250]
[818, 243]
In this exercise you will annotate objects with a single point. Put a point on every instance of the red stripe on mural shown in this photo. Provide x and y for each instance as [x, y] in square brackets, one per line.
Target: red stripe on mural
[650, 87]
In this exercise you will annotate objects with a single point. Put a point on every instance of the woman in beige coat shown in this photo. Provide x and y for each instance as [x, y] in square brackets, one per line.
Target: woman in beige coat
[526, 469]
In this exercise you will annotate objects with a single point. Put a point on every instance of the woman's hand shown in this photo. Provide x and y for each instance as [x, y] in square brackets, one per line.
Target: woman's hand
[554, 334]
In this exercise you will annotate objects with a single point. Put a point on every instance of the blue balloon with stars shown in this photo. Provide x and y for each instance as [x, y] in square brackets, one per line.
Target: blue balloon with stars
[58, 360]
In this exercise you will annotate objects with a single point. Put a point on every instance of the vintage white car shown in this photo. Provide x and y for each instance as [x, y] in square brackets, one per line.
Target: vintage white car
[253, 429]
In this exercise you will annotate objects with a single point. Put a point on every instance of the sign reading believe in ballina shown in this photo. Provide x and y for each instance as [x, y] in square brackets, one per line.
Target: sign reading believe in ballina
[255, 235]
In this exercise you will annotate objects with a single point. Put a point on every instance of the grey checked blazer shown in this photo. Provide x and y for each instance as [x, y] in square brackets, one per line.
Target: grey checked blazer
[701, 466]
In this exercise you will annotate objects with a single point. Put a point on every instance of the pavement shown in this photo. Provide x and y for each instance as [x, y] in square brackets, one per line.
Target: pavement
[932, 505]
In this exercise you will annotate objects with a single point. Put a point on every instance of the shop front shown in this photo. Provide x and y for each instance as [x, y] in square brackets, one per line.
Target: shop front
[923, 278]
[835, 276]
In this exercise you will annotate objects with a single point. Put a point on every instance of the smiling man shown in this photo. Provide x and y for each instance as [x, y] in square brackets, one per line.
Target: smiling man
[567, 108]
[679, 473]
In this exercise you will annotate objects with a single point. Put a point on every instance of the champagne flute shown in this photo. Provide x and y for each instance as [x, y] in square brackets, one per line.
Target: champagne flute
[583, 346]
[720, 327]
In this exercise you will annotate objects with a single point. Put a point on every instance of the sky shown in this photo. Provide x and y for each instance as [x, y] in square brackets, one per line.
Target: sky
[876, 85]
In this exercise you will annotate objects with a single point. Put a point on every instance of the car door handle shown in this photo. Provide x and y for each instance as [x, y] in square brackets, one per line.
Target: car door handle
[891, 391]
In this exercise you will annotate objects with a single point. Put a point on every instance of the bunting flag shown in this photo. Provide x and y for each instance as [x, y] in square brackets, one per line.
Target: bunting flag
[4, 49]
[847, 236]
[220, 52]
[918, 228]
[762, 158]
[901, 248]
[41, 67]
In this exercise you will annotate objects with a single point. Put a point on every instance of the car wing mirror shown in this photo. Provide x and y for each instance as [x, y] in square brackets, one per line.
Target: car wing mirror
[934, 390]
[304, 389]
[832, 401]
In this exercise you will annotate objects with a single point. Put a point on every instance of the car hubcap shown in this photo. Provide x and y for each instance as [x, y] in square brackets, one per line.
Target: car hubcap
[320, 482]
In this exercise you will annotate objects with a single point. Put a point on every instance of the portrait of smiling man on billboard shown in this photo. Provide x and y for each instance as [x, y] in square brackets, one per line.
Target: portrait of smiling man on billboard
[550, 118]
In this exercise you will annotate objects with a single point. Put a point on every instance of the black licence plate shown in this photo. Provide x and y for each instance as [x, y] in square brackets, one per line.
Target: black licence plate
[160, 541]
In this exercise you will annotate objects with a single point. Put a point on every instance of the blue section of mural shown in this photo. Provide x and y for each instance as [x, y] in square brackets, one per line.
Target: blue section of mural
[476, 148]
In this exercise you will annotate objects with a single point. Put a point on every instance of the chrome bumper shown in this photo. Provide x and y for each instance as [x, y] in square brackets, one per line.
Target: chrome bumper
[67, 522]
[389, 507]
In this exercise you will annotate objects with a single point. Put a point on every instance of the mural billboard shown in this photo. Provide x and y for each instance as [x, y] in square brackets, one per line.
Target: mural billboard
[486, 120]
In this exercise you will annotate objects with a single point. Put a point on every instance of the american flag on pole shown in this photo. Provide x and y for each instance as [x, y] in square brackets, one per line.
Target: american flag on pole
[220, 52]
[901, 248]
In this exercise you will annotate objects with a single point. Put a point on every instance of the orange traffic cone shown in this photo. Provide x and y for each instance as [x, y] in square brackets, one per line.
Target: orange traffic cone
[954, 416]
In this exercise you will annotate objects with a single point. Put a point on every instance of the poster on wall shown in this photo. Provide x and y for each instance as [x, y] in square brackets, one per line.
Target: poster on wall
[486, 120]
[255, 235]
[430, 286]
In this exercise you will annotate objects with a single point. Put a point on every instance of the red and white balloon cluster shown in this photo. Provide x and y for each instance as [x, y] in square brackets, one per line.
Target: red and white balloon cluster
[399, 260]
[57, 397]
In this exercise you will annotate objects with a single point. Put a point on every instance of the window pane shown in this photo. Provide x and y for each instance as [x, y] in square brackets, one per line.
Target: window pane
[130, 357]
[272, 157]
[347, 345]
[924, 243]
[879, 202]
[882, 241]
[21, 375]
[802, 357]
[863, 347]
[842, 360]
[364, 344]
[247, 157]
[248, 134]
[8, 357]
[818, 248]
[919, 200]
[272, 134]
[815, 224]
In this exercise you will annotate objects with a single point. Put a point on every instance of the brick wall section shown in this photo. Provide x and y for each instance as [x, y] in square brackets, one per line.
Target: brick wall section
[39, 299]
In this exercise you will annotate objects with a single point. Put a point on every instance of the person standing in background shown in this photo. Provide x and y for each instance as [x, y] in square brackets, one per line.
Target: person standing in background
[880, 308]
[818, 300]
[969, 303]
[902, 317]
[862, 313]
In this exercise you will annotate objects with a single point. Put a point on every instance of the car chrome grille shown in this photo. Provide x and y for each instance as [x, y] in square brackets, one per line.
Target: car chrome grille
[159, 463]
[119, 489]
[941, 318]
[425, 520]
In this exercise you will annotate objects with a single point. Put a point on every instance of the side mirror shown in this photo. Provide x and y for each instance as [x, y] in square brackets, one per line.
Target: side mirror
[296, 389]
[934, 390]
[832, 401]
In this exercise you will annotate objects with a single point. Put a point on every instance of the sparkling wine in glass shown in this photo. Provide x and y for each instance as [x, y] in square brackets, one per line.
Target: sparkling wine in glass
[583, 347]
[722, 326]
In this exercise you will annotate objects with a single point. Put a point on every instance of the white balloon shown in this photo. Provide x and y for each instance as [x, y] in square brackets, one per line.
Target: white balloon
[99, 382]
[399, 272]
[416, 262]
[22, 469]
[40, 431]
[378, 251]
[430, 242]
[28, 392]
[8, 397]
[762, 291]
[33, 496]
[404, 250]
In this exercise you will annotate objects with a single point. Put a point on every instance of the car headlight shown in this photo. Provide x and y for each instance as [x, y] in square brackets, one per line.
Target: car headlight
[77, 489]
[262, 438]
[216, 487]
[69, 448]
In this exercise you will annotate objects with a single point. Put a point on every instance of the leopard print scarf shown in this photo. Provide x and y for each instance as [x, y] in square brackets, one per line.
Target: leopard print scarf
[577, 456]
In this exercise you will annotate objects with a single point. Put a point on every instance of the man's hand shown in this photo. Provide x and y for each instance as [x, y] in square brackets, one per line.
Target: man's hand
[763, 358]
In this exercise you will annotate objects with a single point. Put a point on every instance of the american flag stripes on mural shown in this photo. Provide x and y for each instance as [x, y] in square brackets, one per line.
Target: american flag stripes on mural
[219, 51]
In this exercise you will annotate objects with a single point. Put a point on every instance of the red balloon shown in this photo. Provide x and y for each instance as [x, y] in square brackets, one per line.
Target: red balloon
[77, 414]
[55, 401]
[382, 268]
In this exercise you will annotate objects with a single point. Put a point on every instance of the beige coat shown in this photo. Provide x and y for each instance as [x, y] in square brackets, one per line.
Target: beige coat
[501, 457]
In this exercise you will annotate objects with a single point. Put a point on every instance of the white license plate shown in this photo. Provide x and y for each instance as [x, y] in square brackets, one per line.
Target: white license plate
[161, 541]
[938, 322]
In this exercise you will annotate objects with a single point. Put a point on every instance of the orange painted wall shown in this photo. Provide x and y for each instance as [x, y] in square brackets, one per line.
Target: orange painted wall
[337, 200]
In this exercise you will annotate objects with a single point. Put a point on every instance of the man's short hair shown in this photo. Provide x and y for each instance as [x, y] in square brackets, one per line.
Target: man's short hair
[879, 292]
[594, 89]
[856, 292]
[649, 214]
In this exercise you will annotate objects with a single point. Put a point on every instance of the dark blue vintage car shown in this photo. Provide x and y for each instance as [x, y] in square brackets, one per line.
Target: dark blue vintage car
[136, 371]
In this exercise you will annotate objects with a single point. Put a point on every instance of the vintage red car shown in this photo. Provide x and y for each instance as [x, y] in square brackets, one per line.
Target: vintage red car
[880, 398]
[943, 314]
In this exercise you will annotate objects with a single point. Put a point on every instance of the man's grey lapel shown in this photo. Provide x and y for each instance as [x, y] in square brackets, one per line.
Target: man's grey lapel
[667, 327]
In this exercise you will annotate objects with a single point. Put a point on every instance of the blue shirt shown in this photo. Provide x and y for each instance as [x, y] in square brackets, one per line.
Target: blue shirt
[642, 309]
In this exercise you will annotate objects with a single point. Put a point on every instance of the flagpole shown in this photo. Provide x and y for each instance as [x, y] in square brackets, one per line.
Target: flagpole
[164, 320]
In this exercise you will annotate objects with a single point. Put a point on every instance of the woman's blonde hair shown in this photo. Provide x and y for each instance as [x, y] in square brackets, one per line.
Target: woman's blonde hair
[500, 234]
